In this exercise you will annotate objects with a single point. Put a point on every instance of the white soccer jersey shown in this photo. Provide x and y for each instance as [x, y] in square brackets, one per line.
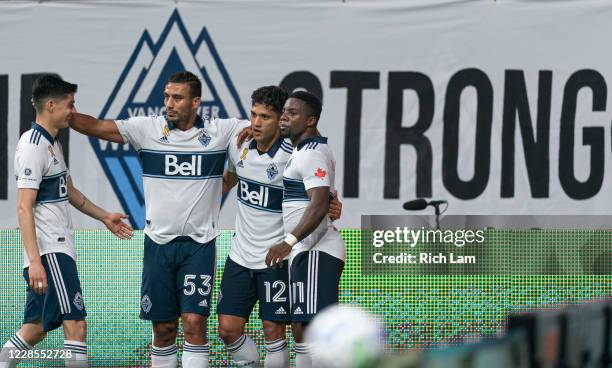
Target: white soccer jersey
[311, 165]
[40, 165]
[259, 224]
[182, 173]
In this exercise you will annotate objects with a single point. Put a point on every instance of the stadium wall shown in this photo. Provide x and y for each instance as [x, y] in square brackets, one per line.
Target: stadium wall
[501, 107]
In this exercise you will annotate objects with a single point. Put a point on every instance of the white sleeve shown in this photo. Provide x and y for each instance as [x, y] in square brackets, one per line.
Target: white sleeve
[231, 157]
[30, 166]
[239, 126]
[315, 169]
[134, 130]
[230, 128]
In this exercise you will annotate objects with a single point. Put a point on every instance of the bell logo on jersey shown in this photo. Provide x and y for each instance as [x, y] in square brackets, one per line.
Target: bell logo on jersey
[259, 198]
[185, 168]
[63, 188]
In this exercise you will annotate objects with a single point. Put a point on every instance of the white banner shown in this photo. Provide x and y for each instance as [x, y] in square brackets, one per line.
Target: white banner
[498, 107]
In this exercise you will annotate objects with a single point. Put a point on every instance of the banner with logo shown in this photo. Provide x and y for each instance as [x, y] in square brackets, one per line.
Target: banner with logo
[498, 107]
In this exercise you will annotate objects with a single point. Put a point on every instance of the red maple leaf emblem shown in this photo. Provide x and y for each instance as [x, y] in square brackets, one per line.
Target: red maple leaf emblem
[320, 173]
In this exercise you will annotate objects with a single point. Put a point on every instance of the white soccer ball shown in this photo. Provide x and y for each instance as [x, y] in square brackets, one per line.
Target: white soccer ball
[344, 336]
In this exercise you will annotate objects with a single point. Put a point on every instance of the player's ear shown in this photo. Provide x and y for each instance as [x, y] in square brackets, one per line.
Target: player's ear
[196, 102]
[311, 122]
[50, 105]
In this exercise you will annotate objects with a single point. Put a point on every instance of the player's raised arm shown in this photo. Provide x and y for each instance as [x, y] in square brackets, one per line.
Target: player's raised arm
[103, 129]
[113, 221]
[25, 214]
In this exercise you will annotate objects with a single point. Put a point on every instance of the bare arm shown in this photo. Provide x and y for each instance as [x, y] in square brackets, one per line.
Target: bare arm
[313, 215]
[229, 181]
[81, 203]
[113, 221]
[103, 129]
[25, 213]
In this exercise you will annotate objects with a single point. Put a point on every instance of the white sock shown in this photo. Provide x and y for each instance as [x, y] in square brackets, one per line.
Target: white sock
[15, 344]
[277, 354]
[77, 358]
[302, 356]
[244, 352]
[195, 356]
[164, 357]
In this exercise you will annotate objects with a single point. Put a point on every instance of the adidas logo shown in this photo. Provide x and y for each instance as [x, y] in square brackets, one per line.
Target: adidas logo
[298, 310]
[280, 310]
[203, 303]
[164, 139]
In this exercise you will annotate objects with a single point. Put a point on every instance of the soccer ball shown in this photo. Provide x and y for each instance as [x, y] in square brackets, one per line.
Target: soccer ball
[344, 336]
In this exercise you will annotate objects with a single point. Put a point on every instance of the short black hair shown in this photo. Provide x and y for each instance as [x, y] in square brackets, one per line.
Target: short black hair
[189, 78]
[312, 101]
[50, 86]
[271, 96]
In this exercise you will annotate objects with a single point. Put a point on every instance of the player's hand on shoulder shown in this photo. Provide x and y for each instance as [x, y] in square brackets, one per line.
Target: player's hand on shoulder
[277, 253]
[114, 222]
[335, 207]
[37, 277]
[245, 135]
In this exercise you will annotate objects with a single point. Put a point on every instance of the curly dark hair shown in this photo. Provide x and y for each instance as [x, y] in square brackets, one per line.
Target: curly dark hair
[271, 96]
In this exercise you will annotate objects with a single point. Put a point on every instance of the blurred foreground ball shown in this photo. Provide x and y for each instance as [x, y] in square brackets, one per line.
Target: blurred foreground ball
[344, 336]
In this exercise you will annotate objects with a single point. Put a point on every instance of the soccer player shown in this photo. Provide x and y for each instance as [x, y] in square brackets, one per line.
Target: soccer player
[54, 296]
[316, 248]
[182, 158]
[257, 167]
